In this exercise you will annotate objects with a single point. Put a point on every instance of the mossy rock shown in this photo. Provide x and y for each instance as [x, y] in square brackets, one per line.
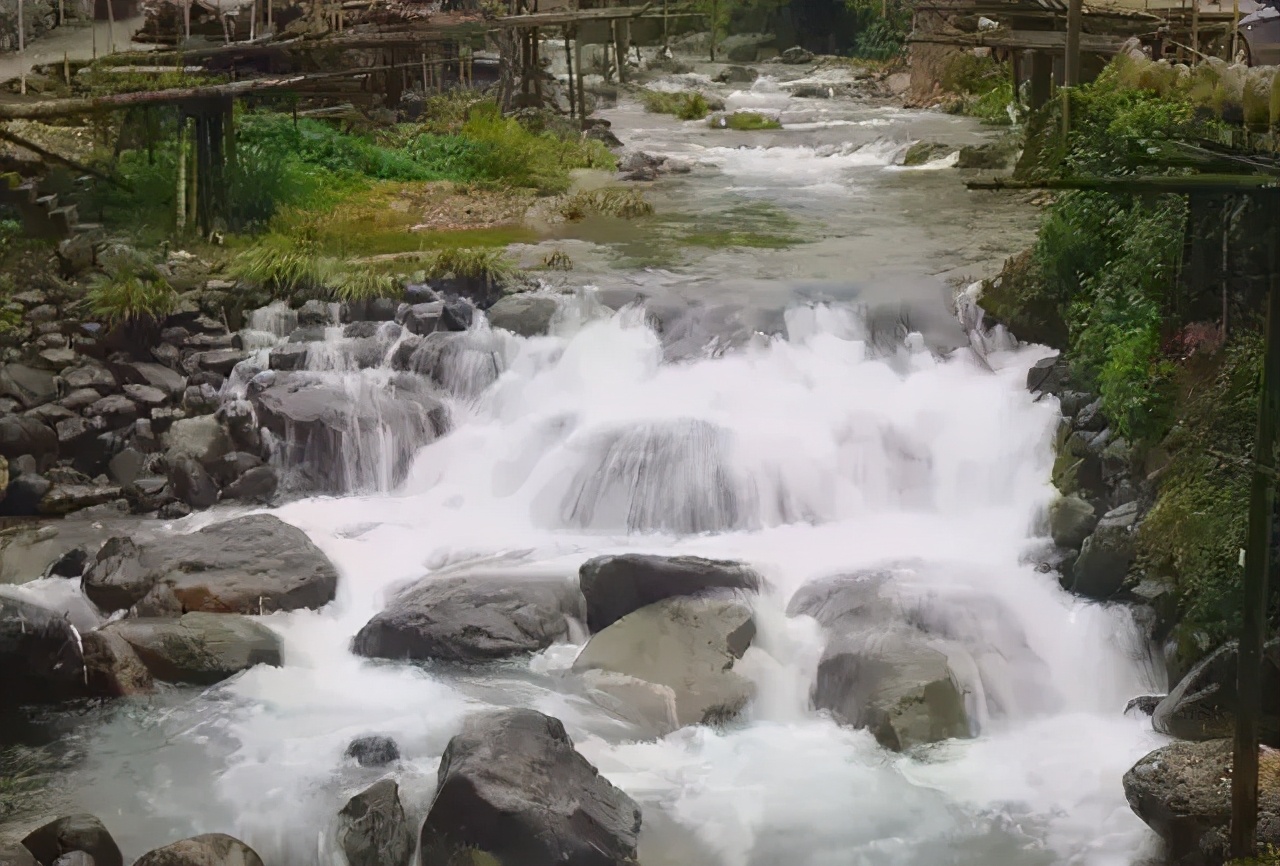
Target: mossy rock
[923, 152]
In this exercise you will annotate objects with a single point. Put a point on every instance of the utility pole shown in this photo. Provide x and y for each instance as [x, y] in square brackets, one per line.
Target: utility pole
[1071, 64]
[1257, 568]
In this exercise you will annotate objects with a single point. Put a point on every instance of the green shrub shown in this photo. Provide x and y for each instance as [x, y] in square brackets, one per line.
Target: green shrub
[129, 299]
[1197, 527]
[984, 85]
[686, 105]
[744, 121]
[542, 161]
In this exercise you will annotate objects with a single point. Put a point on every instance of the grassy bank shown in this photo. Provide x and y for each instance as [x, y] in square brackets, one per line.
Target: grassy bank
[1105, 282]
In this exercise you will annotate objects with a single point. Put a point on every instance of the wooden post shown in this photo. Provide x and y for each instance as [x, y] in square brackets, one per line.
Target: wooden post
[66, 69]
[1066, 114]
[568, 62]
[22, 47]
[1235, 29]
[426, 84]
[715, 26]
[62, 12]
[1195, 32]
[582, 93]
[1071, 70]
[111, 27]
[1015, 72]
[1041, 80]
[186, 19]
[1257, 564]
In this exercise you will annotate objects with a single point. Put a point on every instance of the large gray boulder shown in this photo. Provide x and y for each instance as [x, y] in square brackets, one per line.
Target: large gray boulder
[888, 671]
[685, 646]
[1106, 555]
[254, 564]
[615, 586]
[199, 648]
[526, 315]
[40, 659]
[462, 362]
[373, 829]
[1202, 706]
[73, 833]
[337, 440]
[513, 791]
[472, 619]
[203, 439]
[28, 385]
[1183, 792]
[898, 688]
[211, 849]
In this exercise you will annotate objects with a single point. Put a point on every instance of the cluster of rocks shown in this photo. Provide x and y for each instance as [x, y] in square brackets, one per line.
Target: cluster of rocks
[91, 416]
[83, 840]
[640, 166]
[1103, 500]
[168, 608]
[666, 634]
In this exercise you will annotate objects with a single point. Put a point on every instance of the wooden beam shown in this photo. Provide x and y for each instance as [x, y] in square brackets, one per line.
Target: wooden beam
[1025, 40]
[1071, 69]
[569, 16]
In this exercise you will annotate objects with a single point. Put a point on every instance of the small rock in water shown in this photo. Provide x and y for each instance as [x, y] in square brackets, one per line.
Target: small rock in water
[13, 854]
[373, 751]
[513, 790]
[373, 828]
[1144, 704]
[74, 858]
[74, 833]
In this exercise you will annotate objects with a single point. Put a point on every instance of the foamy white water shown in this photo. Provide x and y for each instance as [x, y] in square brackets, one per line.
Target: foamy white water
[806, 454]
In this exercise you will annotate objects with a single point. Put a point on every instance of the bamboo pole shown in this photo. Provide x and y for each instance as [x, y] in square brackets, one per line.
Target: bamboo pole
[1257, 567]
[181, 193]
[186, 19]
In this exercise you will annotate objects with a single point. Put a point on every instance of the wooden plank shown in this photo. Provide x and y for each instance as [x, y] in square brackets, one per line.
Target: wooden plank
[1027, 40]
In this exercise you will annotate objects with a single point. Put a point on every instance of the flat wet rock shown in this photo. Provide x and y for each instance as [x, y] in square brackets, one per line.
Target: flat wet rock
[250, 565]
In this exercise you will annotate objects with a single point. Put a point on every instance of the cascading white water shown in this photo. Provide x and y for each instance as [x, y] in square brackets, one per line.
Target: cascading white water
[807, 456]
[831, 448]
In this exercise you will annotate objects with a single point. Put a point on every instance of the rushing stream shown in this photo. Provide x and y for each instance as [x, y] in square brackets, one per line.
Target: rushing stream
[813, 411]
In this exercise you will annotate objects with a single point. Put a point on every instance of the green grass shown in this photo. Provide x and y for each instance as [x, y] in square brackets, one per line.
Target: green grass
[984, 87]
[362, 282]
[616, 202]
[686, 105]
[285, 263]
[128, 297]
[483, 265]
[744, 121]
[315, 166]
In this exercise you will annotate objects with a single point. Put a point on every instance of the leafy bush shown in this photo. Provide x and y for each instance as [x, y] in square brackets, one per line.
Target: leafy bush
[512, 154]
[129, 299]
[686, 105]
[984, 85]
[744, 121]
